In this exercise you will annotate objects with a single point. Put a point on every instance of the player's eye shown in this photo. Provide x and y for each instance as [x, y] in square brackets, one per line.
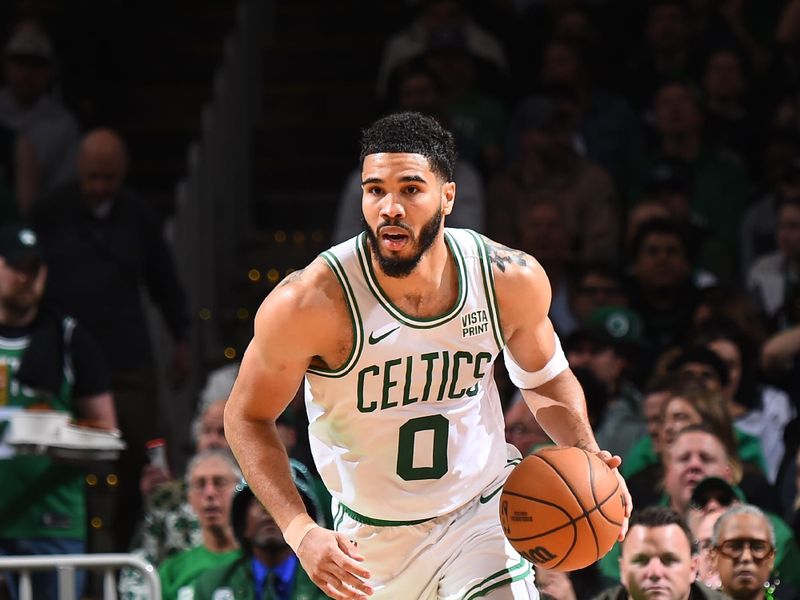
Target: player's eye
[412, 189]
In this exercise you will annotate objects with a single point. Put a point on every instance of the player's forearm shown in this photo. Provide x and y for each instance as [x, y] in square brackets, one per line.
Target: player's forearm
[560, 408]
[265, 465]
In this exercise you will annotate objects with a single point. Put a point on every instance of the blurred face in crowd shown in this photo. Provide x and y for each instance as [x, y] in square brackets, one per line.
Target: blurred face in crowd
[260, 528]
[652, 407]
[657, 563]
[667, 28]
[212, 429]
[522, 429]
[21, 287]
[692, 457]
[418, 92]
[744, 556]
[724, 77]
[28, 78]
[443, 13]
[678, 413]
[595, 290]
[661, 261]
[561, 64]
[211, 486]
[701, 525]
[544, 235]
[102, 166]
[677, 112]
[703, 373]
[788, 232]
[729, 354]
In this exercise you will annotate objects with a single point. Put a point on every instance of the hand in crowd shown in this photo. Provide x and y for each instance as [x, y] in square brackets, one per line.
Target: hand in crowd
[331, 560]
[152, 477]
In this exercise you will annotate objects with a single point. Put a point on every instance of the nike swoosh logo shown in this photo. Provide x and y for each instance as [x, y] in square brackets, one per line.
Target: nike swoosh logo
[374, 340]
[485, 499]
[510, 463]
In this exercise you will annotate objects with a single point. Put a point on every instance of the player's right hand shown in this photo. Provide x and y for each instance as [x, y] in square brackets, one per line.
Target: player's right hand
[332, 562]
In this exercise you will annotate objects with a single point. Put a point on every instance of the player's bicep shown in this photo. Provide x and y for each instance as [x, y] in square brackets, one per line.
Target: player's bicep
[274, 363]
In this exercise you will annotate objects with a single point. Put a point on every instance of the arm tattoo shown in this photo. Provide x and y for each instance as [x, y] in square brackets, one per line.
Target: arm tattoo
[500, 255]
[291, 277]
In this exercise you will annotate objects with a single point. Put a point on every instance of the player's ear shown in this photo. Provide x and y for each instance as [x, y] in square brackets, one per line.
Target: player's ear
[695, 563]
[448, 196]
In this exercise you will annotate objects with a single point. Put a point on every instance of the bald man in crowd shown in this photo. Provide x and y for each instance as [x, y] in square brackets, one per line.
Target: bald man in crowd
[104, 244]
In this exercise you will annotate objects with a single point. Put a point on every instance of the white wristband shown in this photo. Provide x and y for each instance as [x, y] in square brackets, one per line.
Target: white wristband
[525, 380]
[297, 529]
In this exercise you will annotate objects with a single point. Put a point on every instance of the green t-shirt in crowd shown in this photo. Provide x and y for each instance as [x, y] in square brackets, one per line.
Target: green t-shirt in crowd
[40, 498]
[179, 572]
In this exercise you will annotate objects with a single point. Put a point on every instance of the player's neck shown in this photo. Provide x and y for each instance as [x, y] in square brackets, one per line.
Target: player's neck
[430, 289]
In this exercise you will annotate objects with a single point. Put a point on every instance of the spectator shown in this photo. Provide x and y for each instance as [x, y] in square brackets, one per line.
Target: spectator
[543, 233]
[266, 566]
[550, 169]
[719, 185]
[668, 187]
[416, 87]
[743, 551]
[775, 279]
[211, 478]
[49, 361]
[701, 524]
[667, 52]
[608, 131]
[761, 411]
[28, 107]
[597, 284]
[724, 83]
[438, 14]
[104, 243]
[658, 559]
[611, 339]
[169, 525]
[661, 289]
[780, 169]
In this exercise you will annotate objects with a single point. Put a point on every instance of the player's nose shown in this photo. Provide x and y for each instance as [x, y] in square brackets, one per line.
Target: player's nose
[391, 208]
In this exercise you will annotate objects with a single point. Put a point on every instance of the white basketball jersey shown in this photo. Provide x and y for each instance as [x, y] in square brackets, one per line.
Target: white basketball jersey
[411, 426]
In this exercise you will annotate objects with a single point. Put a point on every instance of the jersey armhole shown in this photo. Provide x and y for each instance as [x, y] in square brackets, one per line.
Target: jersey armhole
[488, 286]
[355, 320]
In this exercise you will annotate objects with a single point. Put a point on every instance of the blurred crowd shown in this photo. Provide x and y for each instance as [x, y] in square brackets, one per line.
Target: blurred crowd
[646, 153]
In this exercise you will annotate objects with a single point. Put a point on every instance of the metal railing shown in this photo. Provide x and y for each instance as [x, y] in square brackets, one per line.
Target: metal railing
[65, 565]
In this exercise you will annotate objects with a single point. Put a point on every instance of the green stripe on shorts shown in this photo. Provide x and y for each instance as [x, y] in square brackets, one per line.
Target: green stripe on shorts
[503, 577]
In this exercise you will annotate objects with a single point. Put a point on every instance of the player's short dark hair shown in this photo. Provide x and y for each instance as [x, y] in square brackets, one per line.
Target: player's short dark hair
[660, 516]
[413, 133]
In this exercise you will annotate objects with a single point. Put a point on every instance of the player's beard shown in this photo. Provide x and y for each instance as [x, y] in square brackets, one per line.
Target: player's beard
[402, 267]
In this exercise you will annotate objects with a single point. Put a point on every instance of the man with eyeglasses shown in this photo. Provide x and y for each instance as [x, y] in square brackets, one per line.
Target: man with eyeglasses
[743, 551]
[211, 477]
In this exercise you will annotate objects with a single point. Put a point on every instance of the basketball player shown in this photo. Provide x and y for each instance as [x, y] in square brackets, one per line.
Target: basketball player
[396, 332]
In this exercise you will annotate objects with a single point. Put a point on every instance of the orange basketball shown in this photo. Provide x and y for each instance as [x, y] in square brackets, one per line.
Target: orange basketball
[562, 508]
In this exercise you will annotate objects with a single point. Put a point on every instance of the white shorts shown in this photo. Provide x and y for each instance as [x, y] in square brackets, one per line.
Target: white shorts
[461, 555]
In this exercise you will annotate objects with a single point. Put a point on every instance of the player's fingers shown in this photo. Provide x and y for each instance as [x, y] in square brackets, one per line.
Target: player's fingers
[335, 589]
[351, 580]
[349, 547]
[613, 461]
[351, 566]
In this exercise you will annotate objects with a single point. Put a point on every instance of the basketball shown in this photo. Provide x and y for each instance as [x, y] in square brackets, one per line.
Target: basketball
[562, 508]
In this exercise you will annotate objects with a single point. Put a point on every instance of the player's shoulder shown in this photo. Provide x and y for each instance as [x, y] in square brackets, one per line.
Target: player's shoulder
[306, 290]
[510, 264]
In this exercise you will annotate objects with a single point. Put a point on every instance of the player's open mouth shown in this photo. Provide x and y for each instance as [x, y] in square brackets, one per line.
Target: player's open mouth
[394, 239]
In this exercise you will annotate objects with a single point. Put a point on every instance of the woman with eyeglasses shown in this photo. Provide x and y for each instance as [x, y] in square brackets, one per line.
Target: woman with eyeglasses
[743, 553]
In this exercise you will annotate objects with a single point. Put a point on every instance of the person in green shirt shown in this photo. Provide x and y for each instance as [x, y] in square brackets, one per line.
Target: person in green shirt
[266, 569]
[211, 477]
